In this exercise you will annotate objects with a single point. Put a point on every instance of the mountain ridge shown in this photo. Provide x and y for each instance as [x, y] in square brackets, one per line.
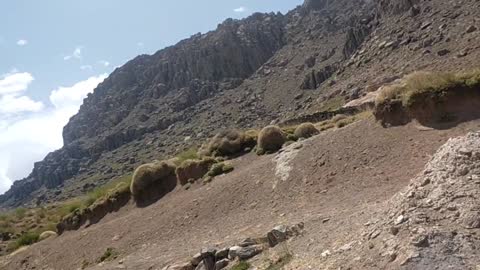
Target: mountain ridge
[267, 67]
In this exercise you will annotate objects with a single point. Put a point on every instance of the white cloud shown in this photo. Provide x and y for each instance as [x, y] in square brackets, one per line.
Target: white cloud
[14, 104]
[22, 42]
[104, 63]
[15, 82]
[140, 44]
[86, 67]
[27, 138]
[240, 9]
[11, 99]
[77, 54]
[73, 96]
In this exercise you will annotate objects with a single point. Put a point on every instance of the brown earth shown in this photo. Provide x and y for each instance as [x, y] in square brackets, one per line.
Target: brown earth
[334, 184]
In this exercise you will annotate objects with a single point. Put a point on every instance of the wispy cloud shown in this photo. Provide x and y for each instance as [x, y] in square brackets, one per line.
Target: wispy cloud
[104, 63]
[86, 67]
[77, 54]
[22, 42]
[140, 44]
[240, 9]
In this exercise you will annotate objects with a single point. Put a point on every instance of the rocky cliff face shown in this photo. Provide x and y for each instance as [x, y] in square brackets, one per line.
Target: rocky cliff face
[267, 67]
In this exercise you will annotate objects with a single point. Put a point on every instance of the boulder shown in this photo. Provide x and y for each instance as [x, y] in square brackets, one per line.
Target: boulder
[221, 254]
[277, 235]
[221, 264]
[244, 253]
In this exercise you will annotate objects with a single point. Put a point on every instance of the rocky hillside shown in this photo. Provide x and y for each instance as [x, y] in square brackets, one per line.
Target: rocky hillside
[267, 67]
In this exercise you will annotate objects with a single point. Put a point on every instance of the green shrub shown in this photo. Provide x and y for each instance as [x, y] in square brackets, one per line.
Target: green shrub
[156, 175]
[193, 169]
[270, 139]
[242, 265]
[306, 130]
[108, 255]
[189, 154]
[225, 143]
[26, 239]
[220, 168]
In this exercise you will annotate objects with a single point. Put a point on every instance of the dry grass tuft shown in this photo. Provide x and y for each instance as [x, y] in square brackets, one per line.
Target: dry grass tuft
[421, 82]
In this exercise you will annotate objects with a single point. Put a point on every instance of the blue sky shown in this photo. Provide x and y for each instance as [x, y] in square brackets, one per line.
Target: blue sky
[54, 52]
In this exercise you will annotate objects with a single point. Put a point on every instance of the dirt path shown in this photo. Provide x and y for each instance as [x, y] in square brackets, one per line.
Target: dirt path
[333, 183]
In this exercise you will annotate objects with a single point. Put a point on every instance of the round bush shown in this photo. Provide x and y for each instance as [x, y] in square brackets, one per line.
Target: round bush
[193, 169]
[270, 139]
[152, 181]
[306, 130]
[225, 143]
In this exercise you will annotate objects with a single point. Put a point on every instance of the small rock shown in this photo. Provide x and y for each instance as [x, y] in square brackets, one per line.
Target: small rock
[420, 241]
[443, 52]
[277, 235]
[247, 242]
[196, 259]
[471, 29]
[221, 254]
[400, 219]
[244, 253]
[326, 253]
[221, 264]
[425, 25]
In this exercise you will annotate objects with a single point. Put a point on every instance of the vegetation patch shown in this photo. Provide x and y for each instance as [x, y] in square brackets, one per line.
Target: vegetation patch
[109, 255]
[428, 96]
[270, 139]
[229, 143]
[306, 130]
[242, 265]
[189, 154]
[219, 169]
[333, 104]
[152, 181]
[193, 169]
[25, 239]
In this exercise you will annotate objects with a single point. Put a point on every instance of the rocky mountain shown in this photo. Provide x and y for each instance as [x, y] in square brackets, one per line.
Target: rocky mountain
[267, 67]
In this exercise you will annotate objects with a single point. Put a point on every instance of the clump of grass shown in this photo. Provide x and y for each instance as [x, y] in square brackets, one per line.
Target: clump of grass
[271, 139]
[26, 239]
[189, 154]
[220, 168]
[108, 255]
[20, 212]
[333, 104]
[105, 190]
[341, 120]
[242, 265]
[150, 175]
[306, 130]
[418, 83]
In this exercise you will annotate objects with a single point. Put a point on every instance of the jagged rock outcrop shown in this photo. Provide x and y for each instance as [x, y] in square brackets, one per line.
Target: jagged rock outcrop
[244, 74]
